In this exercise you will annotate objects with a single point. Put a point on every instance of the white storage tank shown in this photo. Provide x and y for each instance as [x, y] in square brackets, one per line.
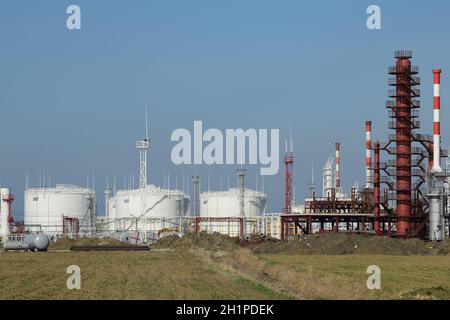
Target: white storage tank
[5, 203]
[46, 207]
[148, 203]
[226, 203]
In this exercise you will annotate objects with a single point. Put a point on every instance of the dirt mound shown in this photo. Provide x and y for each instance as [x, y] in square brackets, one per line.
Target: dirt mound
[433, 293]
[213, 242]
[340, 243]
[65, 244]
[317, 244]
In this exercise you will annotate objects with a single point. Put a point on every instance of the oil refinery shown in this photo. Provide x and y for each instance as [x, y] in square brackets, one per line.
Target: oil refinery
[405, 192]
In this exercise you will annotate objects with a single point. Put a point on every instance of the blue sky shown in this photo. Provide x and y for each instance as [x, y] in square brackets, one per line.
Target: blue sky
[72, 102]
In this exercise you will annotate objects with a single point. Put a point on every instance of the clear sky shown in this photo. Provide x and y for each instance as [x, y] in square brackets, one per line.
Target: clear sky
[72, 102]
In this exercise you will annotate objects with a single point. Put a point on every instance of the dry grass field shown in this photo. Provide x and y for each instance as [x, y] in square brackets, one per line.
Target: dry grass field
[123, 275]
[344, 277]
[216, 267]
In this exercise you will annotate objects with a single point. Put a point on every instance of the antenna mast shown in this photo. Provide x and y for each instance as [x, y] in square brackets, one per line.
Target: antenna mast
[143, 146]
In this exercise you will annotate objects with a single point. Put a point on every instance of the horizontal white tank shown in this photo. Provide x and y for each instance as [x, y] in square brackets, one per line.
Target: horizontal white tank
[151, 201]
[225, 204]
[46, 207]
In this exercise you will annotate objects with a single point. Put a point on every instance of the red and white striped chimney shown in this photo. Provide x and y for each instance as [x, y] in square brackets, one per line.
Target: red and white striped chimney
[436, 124]
[338, 163]
[368, 154]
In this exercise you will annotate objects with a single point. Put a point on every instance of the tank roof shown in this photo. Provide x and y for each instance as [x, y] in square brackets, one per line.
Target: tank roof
[235, 191]
[150, 190]
[61, 188]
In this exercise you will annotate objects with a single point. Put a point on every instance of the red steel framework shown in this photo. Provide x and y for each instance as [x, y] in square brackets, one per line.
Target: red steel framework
[401, 209]
[376, 188]
[288, 183]
[406, 173]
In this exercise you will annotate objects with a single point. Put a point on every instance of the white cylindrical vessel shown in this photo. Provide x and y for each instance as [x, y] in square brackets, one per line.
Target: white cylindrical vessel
[139, 209]
[328, 178]
[5, 193]
[226, 203]
[436, 219]
[45, 208]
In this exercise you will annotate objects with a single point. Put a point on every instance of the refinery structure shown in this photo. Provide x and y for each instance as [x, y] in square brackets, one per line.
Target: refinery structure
[405, 191]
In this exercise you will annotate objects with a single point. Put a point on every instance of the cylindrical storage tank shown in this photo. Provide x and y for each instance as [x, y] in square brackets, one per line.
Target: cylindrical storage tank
[39, 242]
[34, 242]
[328, 178]
[4, 212]
[148, 204]
[436, 225]
[16, 245]
[45, 208]
[226, 203]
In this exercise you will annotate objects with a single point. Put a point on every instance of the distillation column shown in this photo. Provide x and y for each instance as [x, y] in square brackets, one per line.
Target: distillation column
[403, 124]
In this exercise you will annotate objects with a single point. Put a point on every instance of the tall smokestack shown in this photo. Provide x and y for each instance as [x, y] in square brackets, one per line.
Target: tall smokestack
[338, 162]
[436, 124]
[376, 189]
[368, 154]
[288, 176]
